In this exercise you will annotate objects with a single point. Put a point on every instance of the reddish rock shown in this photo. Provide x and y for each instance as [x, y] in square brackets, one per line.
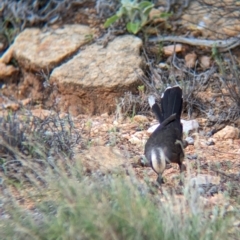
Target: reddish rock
[190, 60]
[228, 132]
[37, 49]
[7, 71]
[169, 50]
[205, 62]
[94, 78]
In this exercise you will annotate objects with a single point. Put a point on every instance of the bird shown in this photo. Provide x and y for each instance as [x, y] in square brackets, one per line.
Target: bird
[165, 144]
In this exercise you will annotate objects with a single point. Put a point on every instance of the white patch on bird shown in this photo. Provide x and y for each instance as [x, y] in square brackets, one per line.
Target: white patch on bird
[169, 88]
[158, 160]
[151, 100]
[180, 143]
[177, 86]
[165, 91]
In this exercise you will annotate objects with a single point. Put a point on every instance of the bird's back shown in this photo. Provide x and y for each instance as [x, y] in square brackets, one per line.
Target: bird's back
[166, 140]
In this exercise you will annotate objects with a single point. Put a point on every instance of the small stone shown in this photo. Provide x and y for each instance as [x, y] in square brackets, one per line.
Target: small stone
[236, 224]
[95, 131]
[134, 140]
[12, 106]
[210, 142]
[190, 60]
[163, 65]
[192, 156]
[189, 140]
[7, 70]
[115, 122]
[125, 136]
[228, 132]
[26, 101]
[41, 113]
[169, 50]
[205, 62]
[140, 119]
[189, 125]
[105, 115]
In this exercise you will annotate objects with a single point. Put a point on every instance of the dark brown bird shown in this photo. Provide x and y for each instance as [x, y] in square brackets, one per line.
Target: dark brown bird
[165, 145]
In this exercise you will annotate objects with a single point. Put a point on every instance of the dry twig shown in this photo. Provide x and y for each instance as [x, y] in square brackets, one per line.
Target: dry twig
[222, 45]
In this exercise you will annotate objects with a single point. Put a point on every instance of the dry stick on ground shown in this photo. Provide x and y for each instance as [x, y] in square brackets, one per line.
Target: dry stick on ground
[214, 169]
[222, 45]
[234, 178]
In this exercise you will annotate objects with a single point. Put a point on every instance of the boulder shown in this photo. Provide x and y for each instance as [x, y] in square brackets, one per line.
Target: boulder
[103, 159]
[228, 132]
[94, 78]
[43, 49]
[214, 19]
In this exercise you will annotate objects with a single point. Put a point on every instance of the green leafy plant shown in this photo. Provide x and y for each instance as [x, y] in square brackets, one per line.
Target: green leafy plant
[135, 12]
[141, 88]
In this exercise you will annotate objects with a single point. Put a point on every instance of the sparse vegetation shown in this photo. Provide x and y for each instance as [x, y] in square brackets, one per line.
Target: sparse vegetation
[135, 14]
[229, 79]
[47, 194]
[73, 204]
[29, 143]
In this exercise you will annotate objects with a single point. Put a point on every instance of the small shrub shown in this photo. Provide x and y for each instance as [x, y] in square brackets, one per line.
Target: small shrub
[135, 14]
[30, 144]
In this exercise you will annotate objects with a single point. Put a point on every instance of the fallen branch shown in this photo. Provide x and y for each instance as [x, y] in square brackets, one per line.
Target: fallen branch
[222, 45]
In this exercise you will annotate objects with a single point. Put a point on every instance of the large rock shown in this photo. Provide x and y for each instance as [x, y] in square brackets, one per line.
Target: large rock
[228, 132]
[103, 159]
[215, 19]
[37, 49]
[92, 80]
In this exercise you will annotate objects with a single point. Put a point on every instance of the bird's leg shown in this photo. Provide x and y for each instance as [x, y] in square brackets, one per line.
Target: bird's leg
[182, 168]
[160, 179]
[181, 182]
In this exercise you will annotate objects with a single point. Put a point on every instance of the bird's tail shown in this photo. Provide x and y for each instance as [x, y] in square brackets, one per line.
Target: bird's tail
[155, 108]
[171, 102]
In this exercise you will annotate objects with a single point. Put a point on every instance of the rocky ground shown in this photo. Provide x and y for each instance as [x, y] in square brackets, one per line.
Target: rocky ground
[112, 144]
